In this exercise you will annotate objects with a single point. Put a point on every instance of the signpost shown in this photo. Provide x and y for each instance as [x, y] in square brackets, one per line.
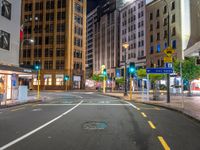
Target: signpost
[159, 70]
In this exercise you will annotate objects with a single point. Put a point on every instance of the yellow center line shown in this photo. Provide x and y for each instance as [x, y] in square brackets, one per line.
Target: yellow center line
[17, 109]
[164, 143]
[144, 115]
[152, 125]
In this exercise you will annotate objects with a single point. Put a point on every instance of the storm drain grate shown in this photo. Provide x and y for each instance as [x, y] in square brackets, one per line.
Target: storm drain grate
[94, 125]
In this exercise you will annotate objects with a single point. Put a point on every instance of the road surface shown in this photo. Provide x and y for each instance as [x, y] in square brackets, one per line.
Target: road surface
[90, 121]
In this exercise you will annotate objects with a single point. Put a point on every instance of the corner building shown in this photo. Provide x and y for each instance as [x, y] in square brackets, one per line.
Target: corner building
[184, 28]
[58, 28]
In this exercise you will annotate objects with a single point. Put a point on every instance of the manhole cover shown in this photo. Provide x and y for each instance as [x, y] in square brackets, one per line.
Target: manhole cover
[94, 125]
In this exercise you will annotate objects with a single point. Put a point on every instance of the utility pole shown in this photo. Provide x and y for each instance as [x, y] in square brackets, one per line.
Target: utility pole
[125, 45]
[168, 43]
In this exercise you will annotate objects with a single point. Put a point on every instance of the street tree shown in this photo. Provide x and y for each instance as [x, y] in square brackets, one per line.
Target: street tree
[190, 71]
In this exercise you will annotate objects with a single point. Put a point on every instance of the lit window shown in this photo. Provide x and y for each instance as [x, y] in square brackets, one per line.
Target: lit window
[59, 79]
[174, 44]
[47, 79]
[158, 48]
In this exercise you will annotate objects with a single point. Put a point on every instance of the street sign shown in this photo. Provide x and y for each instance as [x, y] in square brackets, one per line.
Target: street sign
[168, 59]
[159, 70]
[169, 51]
[168, 65]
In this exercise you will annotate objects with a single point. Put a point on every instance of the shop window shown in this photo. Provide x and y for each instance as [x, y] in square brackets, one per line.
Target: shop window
[47, 79]
[59, 79]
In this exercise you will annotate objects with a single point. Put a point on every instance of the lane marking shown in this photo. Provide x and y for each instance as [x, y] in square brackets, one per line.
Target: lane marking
[13, 110]
[39, 128]
[155, 108]
[144, 115]
[84, 104]
[164, 143]
[132, 105]
[152, 125]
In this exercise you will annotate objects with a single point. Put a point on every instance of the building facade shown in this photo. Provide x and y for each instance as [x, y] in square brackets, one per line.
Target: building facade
[58, 28]
[106, 36]
[91, 19]
[10, 12]
[132, 31]
[183, 23]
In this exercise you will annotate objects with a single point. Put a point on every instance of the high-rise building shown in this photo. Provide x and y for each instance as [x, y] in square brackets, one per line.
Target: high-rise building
[91, 19]
[184, 29]
[106, 36]
[132, 31]
[58, 28]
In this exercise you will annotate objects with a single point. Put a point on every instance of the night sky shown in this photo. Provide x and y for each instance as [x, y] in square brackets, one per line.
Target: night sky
[91, 4]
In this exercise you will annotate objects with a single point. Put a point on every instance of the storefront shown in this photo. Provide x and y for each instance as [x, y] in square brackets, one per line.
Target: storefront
[9, 81]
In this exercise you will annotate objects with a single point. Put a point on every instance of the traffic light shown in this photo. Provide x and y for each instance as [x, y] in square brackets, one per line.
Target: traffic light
[104, 72]
[132, 68]
[37, 67]
[66, 78]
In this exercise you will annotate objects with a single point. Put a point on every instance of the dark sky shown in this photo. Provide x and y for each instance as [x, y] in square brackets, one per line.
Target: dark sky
[91, 4]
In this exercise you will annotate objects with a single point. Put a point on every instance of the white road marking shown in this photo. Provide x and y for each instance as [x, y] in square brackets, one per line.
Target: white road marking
[85, 104]
[132, 105]
[37, 109]
[39, 128]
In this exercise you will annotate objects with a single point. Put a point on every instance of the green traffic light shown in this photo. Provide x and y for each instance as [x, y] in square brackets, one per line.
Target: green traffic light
[132, 68]
[104, 72]
[66, 78]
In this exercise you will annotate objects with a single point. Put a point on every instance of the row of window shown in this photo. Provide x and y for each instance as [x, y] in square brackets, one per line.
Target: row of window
[133, 9]
[5, 36]
[158, 47]
[173, 20]
[48, 52]
[158, 37]
[133, 27]
[133, 18]
[164, 12]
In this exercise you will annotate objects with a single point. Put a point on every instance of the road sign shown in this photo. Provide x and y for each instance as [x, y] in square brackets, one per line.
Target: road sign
[168, 60]
[169, 51]
[159, 70]
[168, 65]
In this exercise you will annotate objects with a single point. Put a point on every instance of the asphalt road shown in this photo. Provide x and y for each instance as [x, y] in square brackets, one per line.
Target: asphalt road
[89, 121]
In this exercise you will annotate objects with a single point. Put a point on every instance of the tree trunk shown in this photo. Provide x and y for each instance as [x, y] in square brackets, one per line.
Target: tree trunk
[189, 89]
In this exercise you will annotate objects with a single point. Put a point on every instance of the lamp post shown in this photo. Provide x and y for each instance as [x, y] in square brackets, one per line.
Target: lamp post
[125, 46]
[168, 43]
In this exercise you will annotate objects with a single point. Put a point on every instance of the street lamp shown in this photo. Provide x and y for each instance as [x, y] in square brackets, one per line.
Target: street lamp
[125, 46]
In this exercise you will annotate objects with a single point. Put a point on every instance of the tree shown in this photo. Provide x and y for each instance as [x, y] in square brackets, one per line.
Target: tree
[98, 77]
[120, 80]
[190, 71]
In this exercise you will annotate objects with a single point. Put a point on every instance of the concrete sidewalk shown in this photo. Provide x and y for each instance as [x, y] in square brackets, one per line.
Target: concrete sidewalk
[187, 105]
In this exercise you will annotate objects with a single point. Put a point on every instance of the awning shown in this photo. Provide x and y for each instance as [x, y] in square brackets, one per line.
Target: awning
[193, 50]
[5, 69]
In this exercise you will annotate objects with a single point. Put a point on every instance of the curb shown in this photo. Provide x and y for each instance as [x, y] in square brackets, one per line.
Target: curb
[162, 106]
[20, 104]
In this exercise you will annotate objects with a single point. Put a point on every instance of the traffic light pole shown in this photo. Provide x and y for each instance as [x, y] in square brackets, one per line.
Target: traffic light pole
[131, 87]
[38, 90]
[125, 75]
[104, 84]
